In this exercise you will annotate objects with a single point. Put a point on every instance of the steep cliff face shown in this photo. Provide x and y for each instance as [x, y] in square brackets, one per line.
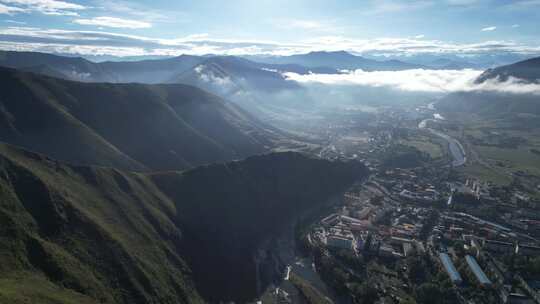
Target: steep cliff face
[227, 210]
[76, 234]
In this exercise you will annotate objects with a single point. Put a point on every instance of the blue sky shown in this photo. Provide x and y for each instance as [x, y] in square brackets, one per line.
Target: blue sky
[157, 27]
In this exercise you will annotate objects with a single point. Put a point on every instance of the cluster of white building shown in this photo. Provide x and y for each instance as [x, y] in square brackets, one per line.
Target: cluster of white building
[337, 231]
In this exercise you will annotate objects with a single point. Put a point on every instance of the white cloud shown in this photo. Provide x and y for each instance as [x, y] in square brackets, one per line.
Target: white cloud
[9, 10]
[81, 49]
[47, 7]
[15, 22]
[139, 11]
[462, 2]
[512, 85]
[220, 83]
[489, 29]
[418, 80]
[305, 24]
[379, 7]
[419, 36]
[515, 25]
[114, 22]
[199, 44]
[409, 46]
[321, 26]
[408, 80]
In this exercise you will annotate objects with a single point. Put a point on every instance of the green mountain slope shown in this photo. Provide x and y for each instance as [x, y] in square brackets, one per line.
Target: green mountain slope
[75, 234]
[129, 126]
[95, 234]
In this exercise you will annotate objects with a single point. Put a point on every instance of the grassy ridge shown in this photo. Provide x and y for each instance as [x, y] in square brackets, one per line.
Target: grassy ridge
[97, 232]
[129, 126]
[75, 234]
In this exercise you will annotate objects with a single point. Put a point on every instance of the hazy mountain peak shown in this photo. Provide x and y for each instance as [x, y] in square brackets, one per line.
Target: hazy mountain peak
[526, 70]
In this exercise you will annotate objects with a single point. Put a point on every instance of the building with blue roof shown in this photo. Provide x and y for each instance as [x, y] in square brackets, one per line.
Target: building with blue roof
[451, 270]
[477, 271]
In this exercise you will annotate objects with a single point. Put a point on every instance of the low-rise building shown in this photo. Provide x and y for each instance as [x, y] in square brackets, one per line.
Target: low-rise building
[499, 247]
[340, 238]
[450, 269]
[386, 251]
[477, 271]
[337, 241]
[330, 220]
[528, 250]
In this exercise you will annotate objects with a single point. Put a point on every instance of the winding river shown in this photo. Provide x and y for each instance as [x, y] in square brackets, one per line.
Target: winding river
[456, 149]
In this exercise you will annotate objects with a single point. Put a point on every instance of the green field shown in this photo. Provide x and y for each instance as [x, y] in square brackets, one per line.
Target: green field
[485, 174]
[503, 147]
[496, 146]
[425, 144]
[516, 159]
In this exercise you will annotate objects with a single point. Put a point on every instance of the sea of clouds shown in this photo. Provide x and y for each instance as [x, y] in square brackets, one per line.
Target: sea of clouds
[419, 80]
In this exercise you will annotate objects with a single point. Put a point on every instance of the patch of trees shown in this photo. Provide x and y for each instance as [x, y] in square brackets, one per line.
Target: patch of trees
[402, 156]
[330, 272]
[364, 293]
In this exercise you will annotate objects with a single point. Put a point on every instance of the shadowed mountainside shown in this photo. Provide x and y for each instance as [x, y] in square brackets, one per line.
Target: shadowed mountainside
[75, 234]
[129, 126]
[80, 69]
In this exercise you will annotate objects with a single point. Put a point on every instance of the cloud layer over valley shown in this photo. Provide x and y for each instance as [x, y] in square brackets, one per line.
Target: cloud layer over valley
[418, 80]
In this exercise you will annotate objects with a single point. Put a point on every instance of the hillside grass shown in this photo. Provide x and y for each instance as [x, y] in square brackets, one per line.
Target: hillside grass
[28, 287]
[96, 231]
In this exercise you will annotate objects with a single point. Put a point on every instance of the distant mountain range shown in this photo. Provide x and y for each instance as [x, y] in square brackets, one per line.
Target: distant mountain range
[339, 60]
[228, 75]
[129, 126]
[454, 61]
[168, 70]
[84, 234]
[179, 68]
[527, 70]
[251, 81]
[79, 69]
